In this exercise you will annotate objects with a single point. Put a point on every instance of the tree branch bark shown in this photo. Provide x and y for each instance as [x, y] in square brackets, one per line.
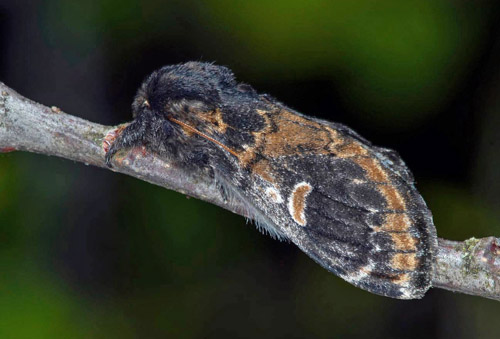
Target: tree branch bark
[471, 266]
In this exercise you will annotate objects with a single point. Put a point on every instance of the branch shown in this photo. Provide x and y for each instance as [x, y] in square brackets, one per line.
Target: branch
[28, 126]
[471, 267]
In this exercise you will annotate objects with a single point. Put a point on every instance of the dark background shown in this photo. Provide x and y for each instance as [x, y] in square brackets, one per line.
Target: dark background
[85, 252]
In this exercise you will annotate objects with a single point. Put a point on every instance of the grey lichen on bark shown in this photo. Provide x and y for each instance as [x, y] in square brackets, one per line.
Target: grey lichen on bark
[471, 266]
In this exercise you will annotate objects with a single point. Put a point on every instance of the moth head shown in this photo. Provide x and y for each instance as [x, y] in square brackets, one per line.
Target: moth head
[192, 86]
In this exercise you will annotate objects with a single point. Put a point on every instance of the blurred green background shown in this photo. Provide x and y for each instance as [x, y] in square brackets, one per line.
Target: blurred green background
[85, 252]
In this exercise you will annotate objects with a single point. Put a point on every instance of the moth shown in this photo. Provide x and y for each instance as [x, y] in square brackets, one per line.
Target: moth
[349, 205]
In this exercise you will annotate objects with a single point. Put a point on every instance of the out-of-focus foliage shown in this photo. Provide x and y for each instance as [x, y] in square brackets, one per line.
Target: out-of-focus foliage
[391, 56]
[87, 253]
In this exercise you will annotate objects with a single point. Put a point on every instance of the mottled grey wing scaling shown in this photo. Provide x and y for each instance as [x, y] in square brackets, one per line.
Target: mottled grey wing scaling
[350, 206]
[373, 234]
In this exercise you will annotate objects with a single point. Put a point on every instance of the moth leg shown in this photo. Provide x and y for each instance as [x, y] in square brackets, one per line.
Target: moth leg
[223, 191]
[130, 136]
